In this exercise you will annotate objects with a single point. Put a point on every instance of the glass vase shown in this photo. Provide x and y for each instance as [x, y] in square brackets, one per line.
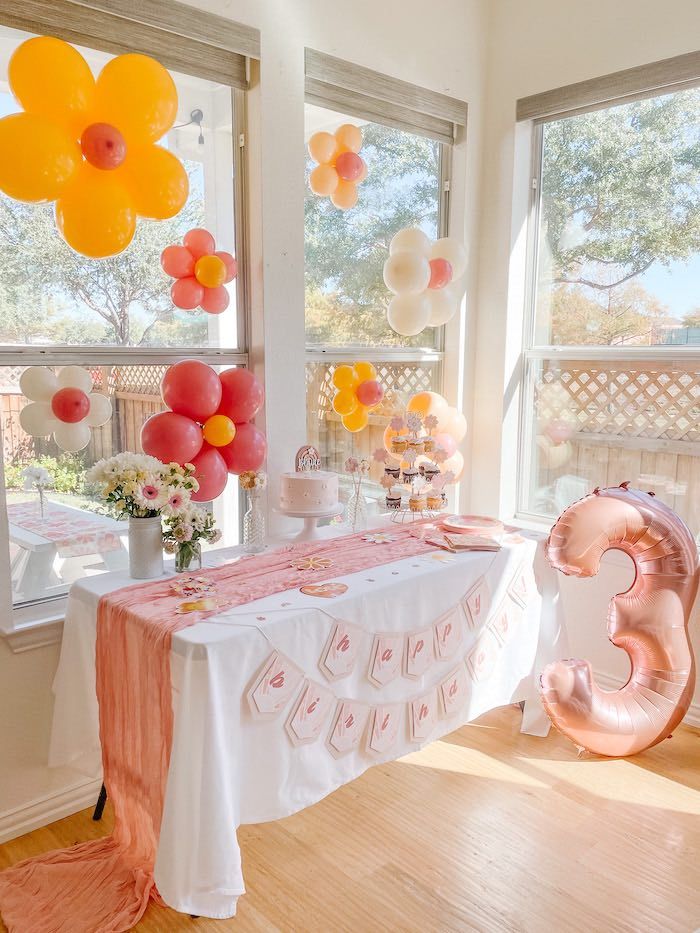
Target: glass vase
[188, 556]
[254, 524]
[356, 511]
[145, 548]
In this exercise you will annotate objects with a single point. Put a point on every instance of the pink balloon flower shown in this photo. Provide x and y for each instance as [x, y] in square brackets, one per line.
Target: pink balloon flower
[201, 272]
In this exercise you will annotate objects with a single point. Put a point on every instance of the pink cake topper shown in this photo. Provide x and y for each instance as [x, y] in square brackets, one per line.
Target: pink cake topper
[307, 459]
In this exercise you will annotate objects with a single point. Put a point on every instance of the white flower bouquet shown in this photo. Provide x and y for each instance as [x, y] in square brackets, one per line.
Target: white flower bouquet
[184, 530]
[36, 477]
[138, 486]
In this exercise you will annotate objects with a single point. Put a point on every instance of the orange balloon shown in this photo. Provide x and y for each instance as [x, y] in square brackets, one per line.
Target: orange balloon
[157, 182]
[210, 271]
[345, 402]
[345, 377]
[137, 95]
[218, 430]
[322, 147]
[49, 77]
[349, 137]
[323, 180]
[345, 195]
[428, 403]
[95, 215]
[356, 420]
[38, 159]
[365, 371]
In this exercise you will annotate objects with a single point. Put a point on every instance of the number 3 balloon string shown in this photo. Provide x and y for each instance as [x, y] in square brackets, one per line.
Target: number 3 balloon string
[649, 621]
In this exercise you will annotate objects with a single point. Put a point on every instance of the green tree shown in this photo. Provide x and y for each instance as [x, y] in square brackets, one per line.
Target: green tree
[621, 190]
[692, 319]
[625, 314]
[127, 297]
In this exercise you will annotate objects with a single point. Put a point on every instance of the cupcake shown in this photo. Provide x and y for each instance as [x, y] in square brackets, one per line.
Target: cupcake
[417, 446]
[434, 501]
[409, 474]
[398, 445]
[416, 502]
[430, 470]
[393, 499]
[428, 444]
[393, 471]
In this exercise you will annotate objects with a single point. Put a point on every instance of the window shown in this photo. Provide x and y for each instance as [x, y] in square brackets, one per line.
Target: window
[114, 317]
[346, 297]
[612, 343]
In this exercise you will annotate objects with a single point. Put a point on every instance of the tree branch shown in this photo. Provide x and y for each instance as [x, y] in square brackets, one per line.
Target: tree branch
[562, 280]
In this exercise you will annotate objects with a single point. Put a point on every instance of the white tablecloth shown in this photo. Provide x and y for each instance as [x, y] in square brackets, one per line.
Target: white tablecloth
[230, 767]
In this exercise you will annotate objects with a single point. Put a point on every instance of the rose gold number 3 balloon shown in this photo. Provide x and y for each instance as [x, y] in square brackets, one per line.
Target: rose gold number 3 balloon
[649, 621]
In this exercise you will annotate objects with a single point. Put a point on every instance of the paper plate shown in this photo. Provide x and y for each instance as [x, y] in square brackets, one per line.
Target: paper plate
[473, 525]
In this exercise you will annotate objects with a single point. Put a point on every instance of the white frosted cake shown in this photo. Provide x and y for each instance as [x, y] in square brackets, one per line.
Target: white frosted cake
[309, 491]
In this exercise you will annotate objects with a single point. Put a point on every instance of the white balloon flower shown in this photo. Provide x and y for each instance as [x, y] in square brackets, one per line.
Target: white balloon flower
[63, 405]
[426, 279]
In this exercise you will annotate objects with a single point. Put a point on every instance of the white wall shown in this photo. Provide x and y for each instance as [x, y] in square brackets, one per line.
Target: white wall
[537, 46]
[445, 54]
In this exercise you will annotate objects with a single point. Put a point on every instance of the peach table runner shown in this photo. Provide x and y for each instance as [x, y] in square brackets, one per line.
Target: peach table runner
[104, 886]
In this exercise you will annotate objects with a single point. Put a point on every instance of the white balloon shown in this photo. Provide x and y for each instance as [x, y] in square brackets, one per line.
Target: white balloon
[443, 304]
[406, 273]
[453, 251]
[100, 410]
[408, 314]
[75, 377]
[38, 383]
[72, 437]
[455, 424]
[37, 419]
[410, 239]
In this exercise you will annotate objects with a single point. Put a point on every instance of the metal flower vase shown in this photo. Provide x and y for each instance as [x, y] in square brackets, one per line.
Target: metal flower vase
[145, 548]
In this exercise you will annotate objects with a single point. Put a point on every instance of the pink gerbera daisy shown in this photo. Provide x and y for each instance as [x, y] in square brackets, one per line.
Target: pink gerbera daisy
[149, 492]
[176, 501]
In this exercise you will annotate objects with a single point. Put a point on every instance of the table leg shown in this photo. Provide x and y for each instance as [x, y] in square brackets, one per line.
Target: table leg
[100, 805]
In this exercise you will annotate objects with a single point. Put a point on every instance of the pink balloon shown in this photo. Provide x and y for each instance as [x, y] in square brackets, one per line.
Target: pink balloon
[242, 395]
[70, 405]
[369, 393]
[447, 442]
[177, 261]
[649, 621]
[229, 262]
[103, 146]
[558, 431]
[440, 273]
[210, 472]
[199, 242]
[214, 300]
[191, 388]
[187, 293]
[247, 451]
[169, 436]
[349, 166]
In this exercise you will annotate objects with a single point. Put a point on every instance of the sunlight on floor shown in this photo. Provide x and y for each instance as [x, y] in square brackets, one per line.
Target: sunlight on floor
[446, 756]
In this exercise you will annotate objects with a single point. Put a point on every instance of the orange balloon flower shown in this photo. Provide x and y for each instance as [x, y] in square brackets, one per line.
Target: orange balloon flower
[340, 168]
[89, 145]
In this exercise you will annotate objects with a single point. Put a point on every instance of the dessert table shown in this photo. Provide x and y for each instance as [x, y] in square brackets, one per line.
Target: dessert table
[281, 700]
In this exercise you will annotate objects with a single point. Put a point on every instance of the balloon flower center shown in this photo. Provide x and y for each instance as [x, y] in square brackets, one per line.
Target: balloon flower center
[219, 430]
[440, 273]
[103, 146]
[349, 166]
[210, 271]
[70, 405]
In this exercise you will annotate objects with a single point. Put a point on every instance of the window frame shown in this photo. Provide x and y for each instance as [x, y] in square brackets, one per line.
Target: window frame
[642, 83]
[39, 622]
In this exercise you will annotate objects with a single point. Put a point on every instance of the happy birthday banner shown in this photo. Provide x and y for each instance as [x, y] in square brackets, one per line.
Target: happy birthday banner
[392, 655]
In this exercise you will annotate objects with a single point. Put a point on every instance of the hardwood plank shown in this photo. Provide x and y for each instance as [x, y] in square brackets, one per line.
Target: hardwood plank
[486, 830]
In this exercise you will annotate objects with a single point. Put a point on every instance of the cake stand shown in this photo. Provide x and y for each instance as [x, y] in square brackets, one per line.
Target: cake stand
[310, 531]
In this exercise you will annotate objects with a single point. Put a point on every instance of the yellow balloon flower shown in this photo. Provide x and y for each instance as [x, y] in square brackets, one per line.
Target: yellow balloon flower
[340, 168]
[358, 393]
[89, 145]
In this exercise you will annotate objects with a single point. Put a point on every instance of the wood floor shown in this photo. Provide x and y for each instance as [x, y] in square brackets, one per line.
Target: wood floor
[484, 830]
